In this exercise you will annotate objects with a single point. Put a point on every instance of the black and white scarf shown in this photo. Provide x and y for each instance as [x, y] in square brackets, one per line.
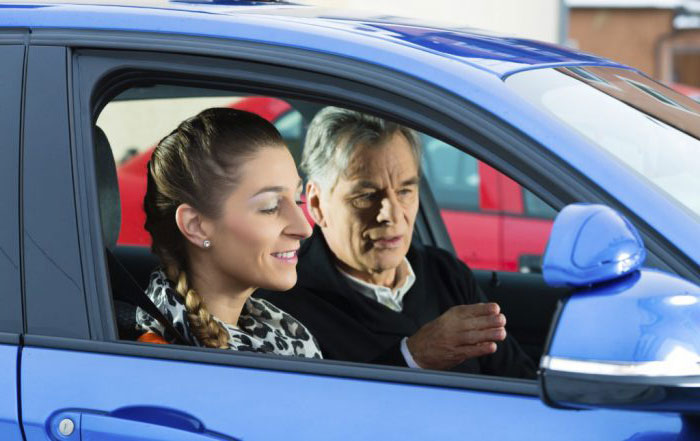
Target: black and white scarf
[262, 327]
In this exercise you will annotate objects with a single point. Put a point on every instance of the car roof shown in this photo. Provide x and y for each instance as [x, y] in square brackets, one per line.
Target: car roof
[488, 52]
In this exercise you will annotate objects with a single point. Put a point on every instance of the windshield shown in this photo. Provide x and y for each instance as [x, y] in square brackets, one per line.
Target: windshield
[646, 126]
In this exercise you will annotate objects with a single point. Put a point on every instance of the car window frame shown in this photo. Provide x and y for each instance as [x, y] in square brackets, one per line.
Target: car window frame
[13, 48]
[112, 87]
[55, 289]
[444, 116]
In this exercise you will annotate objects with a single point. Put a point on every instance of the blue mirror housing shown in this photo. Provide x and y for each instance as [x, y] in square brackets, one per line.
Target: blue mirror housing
[632, 343]
[591, 244]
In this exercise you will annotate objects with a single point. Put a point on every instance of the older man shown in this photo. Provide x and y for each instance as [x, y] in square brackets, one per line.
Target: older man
[364, 291]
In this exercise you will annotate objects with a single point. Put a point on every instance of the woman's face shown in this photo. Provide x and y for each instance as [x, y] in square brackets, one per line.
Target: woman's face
[256, 237]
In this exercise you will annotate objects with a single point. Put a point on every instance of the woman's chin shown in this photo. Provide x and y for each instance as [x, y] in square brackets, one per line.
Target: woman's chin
[280, 283]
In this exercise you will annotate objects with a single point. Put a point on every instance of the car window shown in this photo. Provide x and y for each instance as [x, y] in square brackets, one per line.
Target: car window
[483, 210]
[493, 222]
[536, 207]
[291, 127]
[453, 175]
[123, 119]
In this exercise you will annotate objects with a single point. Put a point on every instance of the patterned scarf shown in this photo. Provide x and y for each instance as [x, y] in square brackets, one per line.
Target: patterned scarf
[262, 327]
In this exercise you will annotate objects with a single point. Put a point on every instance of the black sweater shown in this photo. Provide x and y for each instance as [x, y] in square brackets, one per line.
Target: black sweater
[352, 327]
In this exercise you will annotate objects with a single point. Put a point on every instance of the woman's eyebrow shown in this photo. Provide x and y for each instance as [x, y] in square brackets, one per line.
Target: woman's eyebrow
[275, 189]
[271, 189]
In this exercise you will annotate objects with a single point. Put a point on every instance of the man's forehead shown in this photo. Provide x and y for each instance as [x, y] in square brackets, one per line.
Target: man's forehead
[377, 161]
[370, 173]
[380, 177]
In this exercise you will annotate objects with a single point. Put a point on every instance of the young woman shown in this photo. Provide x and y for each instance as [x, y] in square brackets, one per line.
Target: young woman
[222, 210]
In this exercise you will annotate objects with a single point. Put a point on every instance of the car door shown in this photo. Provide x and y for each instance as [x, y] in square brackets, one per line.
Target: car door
[11, 77]
[80, 382]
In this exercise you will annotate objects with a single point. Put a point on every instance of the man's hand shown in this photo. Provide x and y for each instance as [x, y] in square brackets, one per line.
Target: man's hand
[462, 332]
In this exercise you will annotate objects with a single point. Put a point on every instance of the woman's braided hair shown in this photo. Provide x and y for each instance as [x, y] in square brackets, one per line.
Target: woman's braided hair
[199, 164]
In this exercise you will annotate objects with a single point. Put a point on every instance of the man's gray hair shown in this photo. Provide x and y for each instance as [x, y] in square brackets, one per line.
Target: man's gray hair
[336, 133]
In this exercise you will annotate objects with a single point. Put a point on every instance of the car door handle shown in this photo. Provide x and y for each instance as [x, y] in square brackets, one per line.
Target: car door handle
[135, 423]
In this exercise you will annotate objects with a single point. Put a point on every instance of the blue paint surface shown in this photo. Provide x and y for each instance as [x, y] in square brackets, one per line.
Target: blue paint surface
[262, 405]
[646, 316]
[589, 244]
[9, 421]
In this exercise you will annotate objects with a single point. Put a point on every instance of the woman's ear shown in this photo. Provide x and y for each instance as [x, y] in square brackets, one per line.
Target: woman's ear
[190, 222]
[313, 203]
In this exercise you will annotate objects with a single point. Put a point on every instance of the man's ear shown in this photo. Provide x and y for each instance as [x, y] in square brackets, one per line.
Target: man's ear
[190, 222]
[313, 203]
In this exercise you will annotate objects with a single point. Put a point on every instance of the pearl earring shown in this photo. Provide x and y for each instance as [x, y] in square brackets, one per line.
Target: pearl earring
[206, 243]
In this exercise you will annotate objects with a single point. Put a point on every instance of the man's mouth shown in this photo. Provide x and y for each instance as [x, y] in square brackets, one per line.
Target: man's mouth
[387, 242]
[286, 256]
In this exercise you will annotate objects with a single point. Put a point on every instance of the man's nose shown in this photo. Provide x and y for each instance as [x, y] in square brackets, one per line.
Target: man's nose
[389, 210]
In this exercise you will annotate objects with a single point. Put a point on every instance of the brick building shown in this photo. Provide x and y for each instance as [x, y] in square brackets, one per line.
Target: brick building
[660, 37]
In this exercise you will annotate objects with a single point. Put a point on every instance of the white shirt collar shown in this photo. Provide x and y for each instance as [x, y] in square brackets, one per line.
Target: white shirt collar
[391, 298]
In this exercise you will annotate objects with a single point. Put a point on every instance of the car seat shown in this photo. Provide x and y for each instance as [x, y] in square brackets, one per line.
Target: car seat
[127, 294]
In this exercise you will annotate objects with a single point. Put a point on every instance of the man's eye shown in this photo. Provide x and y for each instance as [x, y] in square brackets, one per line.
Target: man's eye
[299, 202]
[364, 200]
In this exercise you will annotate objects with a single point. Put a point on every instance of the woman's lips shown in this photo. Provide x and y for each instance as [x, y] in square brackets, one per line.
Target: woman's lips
[389, 242]
[286, 256]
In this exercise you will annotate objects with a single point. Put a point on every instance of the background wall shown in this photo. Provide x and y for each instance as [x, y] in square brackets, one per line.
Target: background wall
[538, 19]
[626, 35]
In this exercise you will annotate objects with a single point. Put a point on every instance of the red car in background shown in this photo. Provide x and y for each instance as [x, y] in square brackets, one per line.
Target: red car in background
[692, 92]
[493, 222]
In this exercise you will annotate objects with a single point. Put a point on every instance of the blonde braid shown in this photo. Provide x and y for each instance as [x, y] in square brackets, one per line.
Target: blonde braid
[207, 330]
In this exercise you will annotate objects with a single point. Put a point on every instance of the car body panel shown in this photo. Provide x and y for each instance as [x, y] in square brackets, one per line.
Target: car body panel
[9, 418]
[661, 313]
[306, 407]
[496, 54]
[436, 63]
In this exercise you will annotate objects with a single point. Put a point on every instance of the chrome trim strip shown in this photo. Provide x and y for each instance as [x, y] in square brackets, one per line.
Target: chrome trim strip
[626, 369]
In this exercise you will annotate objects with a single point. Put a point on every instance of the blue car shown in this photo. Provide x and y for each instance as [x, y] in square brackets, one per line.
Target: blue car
[613, 318]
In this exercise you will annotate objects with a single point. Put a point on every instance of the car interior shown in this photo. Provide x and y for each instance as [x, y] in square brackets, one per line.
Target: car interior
[525, 299]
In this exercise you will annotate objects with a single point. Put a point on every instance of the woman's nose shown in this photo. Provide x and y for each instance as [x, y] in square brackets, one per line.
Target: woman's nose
[298, 224]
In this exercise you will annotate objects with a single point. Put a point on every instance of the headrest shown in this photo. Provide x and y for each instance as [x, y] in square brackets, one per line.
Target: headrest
[107, 189]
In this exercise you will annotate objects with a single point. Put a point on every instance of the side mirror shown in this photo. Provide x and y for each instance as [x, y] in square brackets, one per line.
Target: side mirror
[591, 244]
[628, 337]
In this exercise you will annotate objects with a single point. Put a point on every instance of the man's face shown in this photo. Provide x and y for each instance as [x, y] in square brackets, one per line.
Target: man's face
[367, 218]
